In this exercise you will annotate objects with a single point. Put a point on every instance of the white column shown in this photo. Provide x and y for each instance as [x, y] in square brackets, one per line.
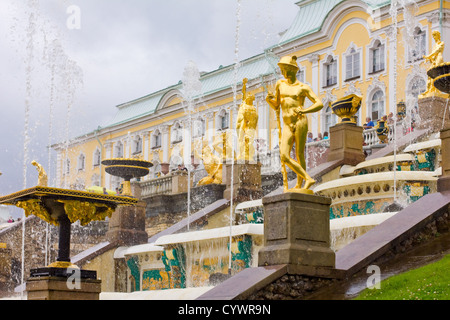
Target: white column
[187, 142]
[210, 126]
[392, 52]
[146, 144]
[108, 155]
[165, 143]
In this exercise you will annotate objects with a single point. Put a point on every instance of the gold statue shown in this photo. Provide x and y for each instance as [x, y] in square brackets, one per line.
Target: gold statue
[226, 151]
[435, 58]
[212, 163]
[290, 98]
[43, 179]
[247, 120]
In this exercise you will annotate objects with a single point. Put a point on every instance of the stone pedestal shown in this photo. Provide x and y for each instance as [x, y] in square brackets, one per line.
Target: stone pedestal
[5, 268]
[61, 288]
[127, 225]
[297, 233]
[346, 144]
[246, 181]
[443, 183]
[431, 112]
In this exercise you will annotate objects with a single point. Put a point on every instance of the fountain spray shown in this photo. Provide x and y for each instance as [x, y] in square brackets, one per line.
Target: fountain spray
[192, 87]
[235, 80]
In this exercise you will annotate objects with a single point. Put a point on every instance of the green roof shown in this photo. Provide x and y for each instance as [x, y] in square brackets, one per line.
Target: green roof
[312, 15]
[217, 80]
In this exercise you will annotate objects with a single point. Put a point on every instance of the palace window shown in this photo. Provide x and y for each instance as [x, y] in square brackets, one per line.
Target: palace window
[81, 162]
[224, 120]
[330, 72]
[420, 46]
[377, 105]
[97, 157]
[118, 150]
[329, 118]
[301, 75]
[199, 128]
[177, 133]
[352, 64]
[376, 57]
[137, 145]
[156, 143]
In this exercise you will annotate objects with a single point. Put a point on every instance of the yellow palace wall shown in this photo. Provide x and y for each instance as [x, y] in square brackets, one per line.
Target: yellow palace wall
[355, 28]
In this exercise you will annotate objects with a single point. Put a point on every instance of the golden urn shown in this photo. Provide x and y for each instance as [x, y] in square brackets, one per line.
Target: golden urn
[346, 108]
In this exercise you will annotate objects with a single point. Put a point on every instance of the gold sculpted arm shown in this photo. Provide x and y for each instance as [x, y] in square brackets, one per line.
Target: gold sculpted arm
[317, 103]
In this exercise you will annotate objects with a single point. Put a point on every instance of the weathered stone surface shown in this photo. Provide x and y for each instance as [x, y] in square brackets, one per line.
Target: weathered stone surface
[431, 113]
[127, 225]
[297, 232]
[246, 181]
[346, 144]
[55, 288]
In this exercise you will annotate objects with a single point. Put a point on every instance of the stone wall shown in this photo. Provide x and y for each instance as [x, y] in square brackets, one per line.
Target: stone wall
[290, 287]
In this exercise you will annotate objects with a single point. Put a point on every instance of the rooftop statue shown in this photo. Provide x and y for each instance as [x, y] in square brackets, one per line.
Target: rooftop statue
[290, 95]
[436, 59]
[247, 120]
[43, 178]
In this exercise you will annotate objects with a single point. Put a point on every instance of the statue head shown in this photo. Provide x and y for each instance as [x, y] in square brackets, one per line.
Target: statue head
[436, 35]
[289, 62]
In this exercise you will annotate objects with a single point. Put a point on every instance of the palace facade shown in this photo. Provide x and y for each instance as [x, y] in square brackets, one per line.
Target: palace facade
[343, 47]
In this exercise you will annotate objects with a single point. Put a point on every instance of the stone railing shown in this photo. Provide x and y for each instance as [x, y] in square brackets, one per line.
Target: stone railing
[173, 183]
[371, 137]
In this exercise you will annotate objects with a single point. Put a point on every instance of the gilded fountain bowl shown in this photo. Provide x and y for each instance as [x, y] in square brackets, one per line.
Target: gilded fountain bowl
[441, 76]
[127, 168]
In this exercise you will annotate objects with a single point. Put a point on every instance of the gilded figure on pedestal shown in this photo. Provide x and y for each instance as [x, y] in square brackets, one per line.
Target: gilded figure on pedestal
[289, 98]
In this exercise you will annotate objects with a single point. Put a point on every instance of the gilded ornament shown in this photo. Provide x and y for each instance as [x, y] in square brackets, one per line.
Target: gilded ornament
[289, 99]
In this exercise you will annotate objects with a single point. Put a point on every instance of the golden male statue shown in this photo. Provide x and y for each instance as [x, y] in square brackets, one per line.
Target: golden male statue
[435, 58]
[247, 121]
[290, 97]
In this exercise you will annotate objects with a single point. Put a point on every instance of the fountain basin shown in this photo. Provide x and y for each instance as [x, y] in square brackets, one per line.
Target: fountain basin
[192, 259]
[62, 207]
[441, 76]
[374, 193]
[127, 169]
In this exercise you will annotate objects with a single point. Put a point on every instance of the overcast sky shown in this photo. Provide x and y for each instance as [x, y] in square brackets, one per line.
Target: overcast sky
[116, 52]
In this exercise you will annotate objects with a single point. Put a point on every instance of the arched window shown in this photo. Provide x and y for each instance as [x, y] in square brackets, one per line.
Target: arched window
[137, 145]
[330, 72]
[199, 128]
[420, 45]
[81, 162]
[118, 150]
[329, 118]
[97, 157]
[177, 133]
[377, 105]
[156, 140]
[224, 120]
